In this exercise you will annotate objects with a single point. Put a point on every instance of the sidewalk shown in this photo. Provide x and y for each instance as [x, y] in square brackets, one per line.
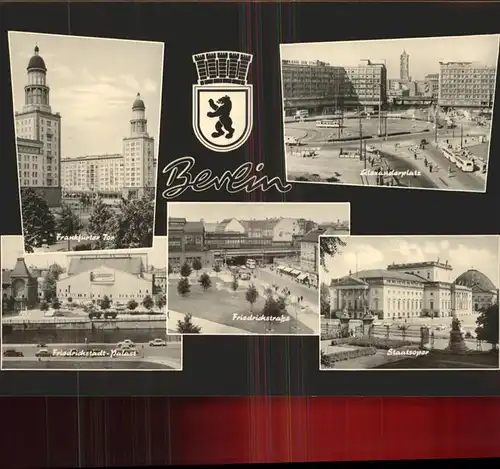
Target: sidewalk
[328, 166]
[207, 327]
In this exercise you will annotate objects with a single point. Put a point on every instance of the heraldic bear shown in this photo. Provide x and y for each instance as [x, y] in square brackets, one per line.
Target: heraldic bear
[222, 110]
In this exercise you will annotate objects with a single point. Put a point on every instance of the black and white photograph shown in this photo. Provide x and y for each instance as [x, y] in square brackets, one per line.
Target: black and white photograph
[409, 302]
[87, 122]
[410, 113]
[86, 311]
[247, 268]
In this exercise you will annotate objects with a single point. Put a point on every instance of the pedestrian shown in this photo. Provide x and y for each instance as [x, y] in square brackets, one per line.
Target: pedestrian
[430, 168]
[426, 162]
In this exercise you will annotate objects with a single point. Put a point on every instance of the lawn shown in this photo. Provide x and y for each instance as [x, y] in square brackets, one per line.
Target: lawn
[220, 306]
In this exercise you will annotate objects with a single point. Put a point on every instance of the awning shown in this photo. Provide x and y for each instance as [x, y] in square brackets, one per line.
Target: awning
[302, 277]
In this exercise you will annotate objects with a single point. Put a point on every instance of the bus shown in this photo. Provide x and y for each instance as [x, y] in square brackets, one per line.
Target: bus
[301, 114]
[328, 124]
[449, 155]
[251, 264]
[464, 163]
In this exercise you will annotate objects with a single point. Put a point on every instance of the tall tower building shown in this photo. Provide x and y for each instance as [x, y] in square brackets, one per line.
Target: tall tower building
[38, 132]
[404, 67]
[139, 169]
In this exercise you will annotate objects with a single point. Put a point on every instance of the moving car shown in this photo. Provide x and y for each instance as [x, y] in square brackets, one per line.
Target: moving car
[43, 353]
[371, 149]
[42, 345]
[125, 343]
[157, 343]
[12, 353]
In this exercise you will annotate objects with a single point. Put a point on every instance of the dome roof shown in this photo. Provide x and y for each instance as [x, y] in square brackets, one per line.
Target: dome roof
[138, 104]
[36, 61]
[475, 280]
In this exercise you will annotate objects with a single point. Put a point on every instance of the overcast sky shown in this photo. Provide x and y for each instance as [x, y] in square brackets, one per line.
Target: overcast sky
[425, 54]
[215, 211]
[377, 252]
[93, 83]
[12, 248]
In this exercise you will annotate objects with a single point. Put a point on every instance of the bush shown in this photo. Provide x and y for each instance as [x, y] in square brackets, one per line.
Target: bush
[342, 341]
[379, 343]
[351, 354]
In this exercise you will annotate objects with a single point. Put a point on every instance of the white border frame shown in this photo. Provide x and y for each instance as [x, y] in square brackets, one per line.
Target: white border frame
[156, 143]
[253, 204]
[128, 370]
[283, 45]
[396, 370]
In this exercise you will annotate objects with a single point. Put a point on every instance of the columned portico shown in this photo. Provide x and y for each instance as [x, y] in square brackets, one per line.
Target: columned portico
[350, 295]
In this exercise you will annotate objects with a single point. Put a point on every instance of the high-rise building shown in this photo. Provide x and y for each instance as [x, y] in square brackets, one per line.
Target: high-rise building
[404, 67]
[138, 153]
[38, 133]
[432, 85]
[466, 84]
[363, 85]
[116, 175]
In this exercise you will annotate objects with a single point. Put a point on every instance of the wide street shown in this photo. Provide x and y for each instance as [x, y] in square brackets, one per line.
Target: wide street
[161, 357]
[328, 166]
[308, 315]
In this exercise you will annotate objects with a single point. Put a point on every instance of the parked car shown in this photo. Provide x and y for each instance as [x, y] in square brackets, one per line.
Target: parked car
[42, 345]
[43, 353]
[157, 343]
[12, 353]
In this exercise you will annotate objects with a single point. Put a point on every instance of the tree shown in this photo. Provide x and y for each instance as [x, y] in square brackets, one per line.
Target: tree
[169, 269]
[69, 224]
[325, 299]
[70, 300]
[268, 292]
[56, 304]
[186, 326]
[39, 225]
[49, 285]
[329, 246]
[186, 269]
[8, 304]
[161, 301]
[487, 325]
[217, 268]
[183, 287]
[135, 222]
[205, 281]
[251, 295]
[102, 224]
[197, 265]
[148, 302]
[274, 308]
[105, 303]
[132, 304]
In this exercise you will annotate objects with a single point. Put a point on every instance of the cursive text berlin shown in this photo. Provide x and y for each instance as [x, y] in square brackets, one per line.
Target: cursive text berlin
[180, 178]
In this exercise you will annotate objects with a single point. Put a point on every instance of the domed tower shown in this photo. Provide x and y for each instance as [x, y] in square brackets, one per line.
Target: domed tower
[138, 153]
[138, 123]
[38, 132]
[36, 92]
[484, 292]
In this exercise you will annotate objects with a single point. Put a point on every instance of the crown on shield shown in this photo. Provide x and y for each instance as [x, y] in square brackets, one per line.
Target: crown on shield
[222, 67]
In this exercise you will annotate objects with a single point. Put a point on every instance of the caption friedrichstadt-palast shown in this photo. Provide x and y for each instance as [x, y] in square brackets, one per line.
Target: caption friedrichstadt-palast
[104, 310]
[349, 119]
[72, 200]
[393, 302]
[231, 271]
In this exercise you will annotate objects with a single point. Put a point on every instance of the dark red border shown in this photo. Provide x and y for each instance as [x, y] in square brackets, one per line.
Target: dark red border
[70, 432]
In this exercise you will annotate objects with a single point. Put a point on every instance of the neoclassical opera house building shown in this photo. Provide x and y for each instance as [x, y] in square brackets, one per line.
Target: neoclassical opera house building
[405, 291]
